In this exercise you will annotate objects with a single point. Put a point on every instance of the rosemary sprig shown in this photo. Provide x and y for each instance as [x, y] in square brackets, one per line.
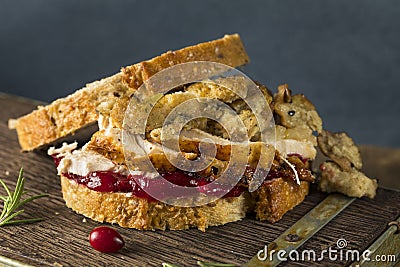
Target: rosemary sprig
[13, 201]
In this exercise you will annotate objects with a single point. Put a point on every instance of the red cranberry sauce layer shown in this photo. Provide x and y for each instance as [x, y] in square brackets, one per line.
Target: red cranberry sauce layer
[108, 181]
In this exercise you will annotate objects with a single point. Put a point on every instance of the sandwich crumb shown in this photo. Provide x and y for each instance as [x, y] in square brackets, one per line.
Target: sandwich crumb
[12, 124]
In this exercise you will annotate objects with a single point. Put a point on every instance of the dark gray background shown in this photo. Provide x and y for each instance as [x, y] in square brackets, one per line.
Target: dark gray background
[344, 55]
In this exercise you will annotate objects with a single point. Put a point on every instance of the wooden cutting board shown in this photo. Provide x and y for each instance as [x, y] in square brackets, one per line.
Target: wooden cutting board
[62, 238]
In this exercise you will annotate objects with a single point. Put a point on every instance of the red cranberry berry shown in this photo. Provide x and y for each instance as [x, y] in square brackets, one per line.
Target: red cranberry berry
[106, 239]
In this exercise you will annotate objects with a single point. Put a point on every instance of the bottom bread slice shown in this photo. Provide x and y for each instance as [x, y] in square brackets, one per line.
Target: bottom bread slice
[270, 203]
[139, 213]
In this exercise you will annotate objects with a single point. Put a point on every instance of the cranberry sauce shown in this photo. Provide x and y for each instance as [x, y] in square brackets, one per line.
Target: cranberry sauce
[56, 159]
[106, 181]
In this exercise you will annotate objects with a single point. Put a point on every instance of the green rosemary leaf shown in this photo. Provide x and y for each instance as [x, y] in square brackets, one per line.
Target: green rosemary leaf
[22, 221]
[10, 217]
[23, 202]
[13, 201]
[169, 265]
[18, 191]
[6, 188]
[3, 213]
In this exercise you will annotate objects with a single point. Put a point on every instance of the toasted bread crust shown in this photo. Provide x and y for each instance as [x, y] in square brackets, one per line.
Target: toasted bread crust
[228, 50]
[66, 115]
[278, 196]
[133, 212]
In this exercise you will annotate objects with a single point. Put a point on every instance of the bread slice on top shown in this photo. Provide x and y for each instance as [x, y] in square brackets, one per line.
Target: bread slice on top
[64, 116]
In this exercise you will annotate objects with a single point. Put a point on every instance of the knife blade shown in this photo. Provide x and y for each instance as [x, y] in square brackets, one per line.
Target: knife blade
[301, 231]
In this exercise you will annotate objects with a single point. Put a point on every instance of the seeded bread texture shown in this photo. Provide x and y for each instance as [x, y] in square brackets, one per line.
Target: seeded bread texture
[228, 50]
[139, 213]
[64, 116]
[272, 202]
[67, 115]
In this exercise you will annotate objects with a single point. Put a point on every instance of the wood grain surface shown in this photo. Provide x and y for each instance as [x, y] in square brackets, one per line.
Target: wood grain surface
[62, 238]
